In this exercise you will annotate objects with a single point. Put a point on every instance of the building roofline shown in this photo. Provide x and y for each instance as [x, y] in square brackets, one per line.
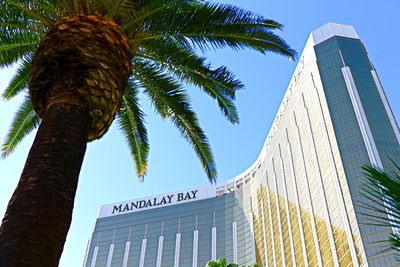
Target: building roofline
[333, 29]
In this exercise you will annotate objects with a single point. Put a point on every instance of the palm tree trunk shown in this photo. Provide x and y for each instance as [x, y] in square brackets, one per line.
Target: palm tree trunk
[39, 213]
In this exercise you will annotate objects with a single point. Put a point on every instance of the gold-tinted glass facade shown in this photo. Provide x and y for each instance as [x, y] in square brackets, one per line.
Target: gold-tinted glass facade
[303, 190]
[300, 196]
[307, 185]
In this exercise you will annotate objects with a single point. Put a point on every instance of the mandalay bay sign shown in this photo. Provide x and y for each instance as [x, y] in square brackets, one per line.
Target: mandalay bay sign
[158, 201]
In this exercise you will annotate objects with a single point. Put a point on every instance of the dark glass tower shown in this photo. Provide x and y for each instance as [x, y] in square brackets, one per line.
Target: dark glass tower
[365, 129]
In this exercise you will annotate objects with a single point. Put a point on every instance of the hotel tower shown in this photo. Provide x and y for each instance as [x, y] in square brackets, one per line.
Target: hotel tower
[300, 203]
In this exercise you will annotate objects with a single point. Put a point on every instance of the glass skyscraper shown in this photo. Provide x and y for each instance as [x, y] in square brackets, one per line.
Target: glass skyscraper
[299, 204]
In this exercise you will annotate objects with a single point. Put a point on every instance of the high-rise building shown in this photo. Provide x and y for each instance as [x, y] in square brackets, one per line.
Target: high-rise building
[299, 204]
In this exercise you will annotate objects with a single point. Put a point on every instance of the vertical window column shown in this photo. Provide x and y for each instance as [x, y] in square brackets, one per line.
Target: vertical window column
[142, 252]
[263, 226]
[278, 215]
[308, 194]
[214, 243]
[96, 249]
[321, 186]
[127, 246]
[160, 245]
[253, 246]
[338, 190]
[289, 225]
[160, 249]
[111, 251]
[87, 250]
[234, 238]
[293, 181]
[195, 247]
[271, 226]
[361, 118]
[177, 249]
[126, 254]
[110, 254]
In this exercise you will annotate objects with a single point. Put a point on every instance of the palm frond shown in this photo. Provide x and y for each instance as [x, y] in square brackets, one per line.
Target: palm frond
[86, 5]
[124, 11]
[131, 121]
[113, 10]
[149, 8]
[395, 241]
[20, 45]
[216, 26]
[171, 102]
[220, 84]
[100, 6]
[13, 21]
[75, 4]
[54, 10]
[24, 122]
[383, 190]
[20, 80]
[9, 28]
[31, 11]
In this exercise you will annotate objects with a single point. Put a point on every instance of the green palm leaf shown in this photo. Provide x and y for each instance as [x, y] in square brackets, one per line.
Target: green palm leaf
[32, 9]
[170, 101]
[20, 80]
[383, 190]
[20, 45]
[24, 122]
[149, 8]
[12, 21]
[220, 84]
[212, 25]
[131, 119]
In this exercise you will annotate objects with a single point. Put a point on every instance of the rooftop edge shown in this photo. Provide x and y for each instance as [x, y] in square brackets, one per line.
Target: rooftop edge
[333, 29]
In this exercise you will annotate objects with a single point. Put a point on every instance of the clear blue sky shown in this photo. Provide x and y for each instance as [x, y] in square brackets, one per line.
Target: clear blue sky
[108, 174]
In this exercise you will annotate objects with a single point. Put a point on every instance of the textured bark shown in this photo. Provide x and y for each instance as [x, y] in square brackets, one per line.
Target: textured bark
[39, 213]
[90, 58]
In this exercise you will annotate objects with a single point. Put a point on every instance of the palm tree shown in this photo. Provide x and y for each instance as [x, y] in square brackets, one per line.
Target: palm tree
[383, 190]
[85, 62]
